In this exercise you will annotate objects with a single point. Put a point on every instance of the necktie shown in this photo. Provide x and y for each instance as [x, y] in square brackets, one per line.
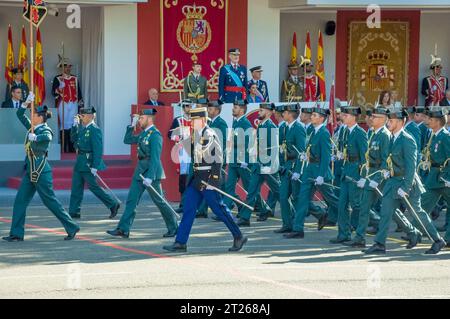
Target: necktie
[17, 105]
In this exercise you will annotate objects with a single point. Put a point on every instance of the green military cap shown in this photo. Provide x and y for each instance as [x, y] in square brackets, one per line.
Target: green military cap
[267, 106]
[293, 65]
[321, 111]
[410, 109]
[256, 69]
[149, 112]
[397, 114]
[198, 113]
[217, 103]
[41, 109]
[234, 51]
[186, 102]
[380, 111]
[203, 101]
[240, 102]
[437, 112]
[280, 108]
[420, 109]
[307, 110]
[369, 112]
[88, 110]
[292, 107]
[352, 110]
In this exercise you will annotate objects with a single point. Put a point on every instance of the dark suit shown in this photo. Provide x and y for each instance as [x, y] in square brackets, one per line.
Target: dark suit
[445, 102]
[10, 104]
[159, 103]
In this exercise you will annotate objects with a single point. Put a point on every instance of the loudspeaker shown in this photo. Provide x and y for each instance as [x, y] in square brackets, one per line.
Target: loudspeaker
[330, 28]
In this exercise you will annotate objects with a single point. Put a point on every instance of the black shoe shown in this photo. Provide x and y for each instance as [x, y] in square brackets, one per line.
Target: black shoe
[399, 230]
[283, 230]
[179, 210]
[12, 238]
[118, 233]
[376, 249]
[294, 234]
[76, 216]
[170, 234]
[72, 235]
[114, 210]
[176, 248]
[414, 239]
[435, 213]
[243, 223]
[201, 215]
[436, 247]
[340, 241]
[322, 222]
[262, 218]
[355, 243]
[329, 224]
[372, 230]
[238, 243]
[271, 213]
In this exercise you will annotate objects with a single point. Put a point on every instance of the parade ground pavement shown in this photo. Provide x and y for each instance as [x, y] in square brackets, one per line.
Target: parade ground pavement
[96, 265]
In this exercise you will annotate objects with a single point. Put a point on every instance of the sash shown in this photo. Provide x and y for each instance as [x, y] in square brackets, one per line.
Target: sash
[234, 76]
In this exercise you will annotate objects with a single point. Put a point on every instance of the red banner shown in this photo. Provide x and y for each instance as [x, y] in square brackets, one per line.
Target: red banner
[192, 31]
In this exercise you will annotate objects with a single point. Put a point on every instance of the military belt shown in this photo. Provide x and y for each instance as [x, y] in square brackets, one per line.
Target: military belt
[353, 159]
[83, 152]
[203, 168]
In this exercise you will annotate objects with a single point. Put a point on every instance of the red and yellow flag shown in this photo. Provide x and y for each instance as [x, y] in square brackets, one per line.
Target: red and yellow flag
[39, 78]
[294, 49]
[307, 54]
[9, 65]
[320, 68]
[23, 60]
[332, 120]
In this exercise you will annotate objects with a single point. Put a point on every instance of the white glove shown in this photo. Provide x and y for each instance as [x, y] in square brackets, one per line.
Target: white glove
[244, 165]
[265, 170]
[319, 180]
[303, 157]
[135, 121]
[76, 120]
[295, 176]
[209, 188]
[147, 182]
[402, 193]
[373, 184]
[94, 171]
[28, 101]
[386, 174]
[333, 158]
[32, 137]
[361, 183]
[339, 155]
[447, 184]
[62, 85]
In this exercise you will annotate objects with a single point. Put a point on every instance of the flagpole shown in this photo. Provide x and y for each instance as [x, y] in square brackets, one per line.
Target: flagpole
[32, 68]
[63, 135]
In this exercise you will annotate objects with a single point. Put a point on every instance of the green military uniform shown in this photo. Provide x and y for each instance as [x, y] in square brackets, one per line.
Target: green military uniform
[355, 148]
[195, 88]
[291, 90]
[318, 153]
[439, 171]
[265, 168]
[149, 165]
[36, 161]
[88, 142]
[292, 146]
[402, 167]
[339, 147]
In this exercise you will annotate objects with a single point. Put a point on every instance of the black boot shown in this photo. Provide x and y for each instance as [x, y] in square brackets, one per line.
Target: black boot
[114, 211]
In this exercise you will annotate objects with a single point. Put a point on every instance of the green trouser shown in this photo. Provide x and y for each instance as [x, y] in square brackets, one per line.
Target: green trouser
[134, 196]
[350, 195]
[430, 199]
[302, 203]
[44, 187]
[76, 195]
[254, 192]
[390, 204]
[288, 189]
[272, 201]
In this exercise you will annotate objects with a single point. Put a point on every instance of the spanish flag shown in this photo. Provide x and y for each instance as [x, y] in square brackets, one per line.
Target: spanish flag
[294, 49]
[39, 78]
[23, 60]
[307, 54]
[320, 69]
[9, 65]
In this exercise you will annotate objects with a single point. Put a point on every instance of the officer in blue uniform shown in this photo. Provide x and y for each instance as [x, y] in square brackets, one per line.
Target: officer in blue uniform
[233, 79]
[206, 150]
[263, 90]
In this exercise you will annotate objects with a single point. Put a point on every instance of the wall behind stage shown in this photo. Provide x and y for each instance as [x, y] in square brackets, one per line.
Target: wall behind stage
[53, 32]
[301, 22]
[149, 39]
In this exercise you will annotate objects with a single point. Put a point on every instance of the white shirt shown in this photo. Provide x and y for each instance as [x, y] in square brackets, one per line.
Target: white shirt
[263, 122]
[89, 124]
[317, 128]
[146, 130]
[397, 134]
[438, 132]
[379, 129]
[290, 124]
[16, 103]
[281, 123]
[212, 120]
[351, 128]
[239, 118]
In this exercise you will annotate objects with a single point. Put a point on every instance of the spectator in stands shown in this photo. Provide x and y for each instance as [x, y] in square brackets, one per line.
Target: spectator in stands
[153, 98]
[16, 98]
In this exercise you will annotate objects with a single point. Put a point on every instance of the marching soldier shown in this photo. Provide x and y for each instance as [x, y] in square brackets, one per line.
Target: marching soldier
[261, 86]
[233, 79]
[413, 130]
[265, 168]
[218, 124]
[305, 120]
[17, 82]
[403, 185]
[206, 150]
[195, 85]
[310, 82]
[88, 141]
[292, 87]
[316, 174]
[147, 175]
[355, 148]
[421, 120]
[434, 85]
[38, 176]
[437, 183]
[291, 146]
